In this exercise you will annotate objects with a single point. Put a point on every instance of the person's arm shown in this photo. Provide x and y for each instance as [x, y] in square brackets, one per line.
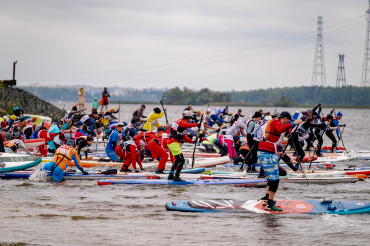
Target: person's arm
[187, 139]
[21, 110]
[82, 132]
[22, 146]
[337, 130]
[76, 159]
[219, 119]
[116, 111]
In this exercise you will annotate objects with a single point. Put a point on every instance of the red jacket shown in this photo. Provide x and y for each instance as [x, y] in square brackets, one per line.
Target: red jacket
[179, 126]
[276, 128]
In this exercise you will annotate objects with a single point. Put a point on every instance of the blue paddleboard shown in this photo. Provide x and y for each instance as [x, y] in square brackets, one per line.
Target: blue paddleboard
[287, 206]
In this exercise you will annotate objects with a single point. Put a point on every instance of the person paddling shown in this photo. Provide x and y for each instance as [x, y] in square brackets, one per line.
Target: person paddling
[270, 135]
[178, 134]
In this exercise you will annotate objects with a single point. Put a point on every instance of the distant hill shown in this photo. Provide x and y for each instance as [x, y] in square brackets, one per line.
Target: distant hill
[304, 95]
[312, 95]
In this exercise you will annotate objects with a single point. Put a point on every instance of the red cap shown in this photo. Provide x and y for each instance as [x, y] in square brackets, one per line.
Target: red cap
[34, 119]
[3, 124]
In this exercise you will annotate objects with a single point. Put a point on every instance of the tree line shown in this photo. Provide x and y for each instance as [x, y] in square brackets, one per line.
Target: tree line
[176, 96]
[304, 95]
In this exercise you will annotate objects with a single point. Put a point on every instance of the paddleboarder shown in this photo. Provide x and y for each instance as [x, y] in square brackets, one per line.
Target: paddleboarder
[270, 135]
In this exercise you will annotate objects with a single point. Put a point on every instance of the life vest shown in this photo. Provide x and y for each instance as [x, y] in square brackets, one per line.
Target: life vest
[13, 144]
[85, 118]
[73, 131]
[126, 146]
[120, 135]
[63, 156]
[39, 132]
[263, 133]
[255, 127]
[2, 136]
[176, 131]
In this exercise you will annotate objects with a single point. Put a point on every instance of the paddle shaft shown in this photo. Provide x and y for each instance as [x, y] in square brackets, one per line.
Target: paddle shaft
[341, 138]
[165, 113]
[196, 139]
[314, 153]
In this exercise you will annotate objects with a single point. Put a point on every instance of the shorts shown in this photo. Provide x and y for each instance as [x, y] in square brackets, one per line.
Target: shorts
[175, 148]
[269, 163]
[56, 170]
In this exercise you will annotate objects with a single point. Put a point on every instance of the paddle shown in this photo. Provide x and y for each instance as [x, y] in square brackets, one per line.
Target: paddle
[165, 113]
[119, 108]
[322, 133]
[196, 139]
[340, 134]
[250, 151]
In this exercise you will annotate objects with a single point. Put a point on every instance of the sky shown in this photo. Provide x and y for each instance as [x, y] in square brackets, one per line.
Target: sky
[221, 45]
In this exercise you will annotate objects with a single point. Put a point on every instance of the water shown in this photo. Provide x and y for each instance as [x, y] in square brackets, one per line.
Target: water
[83, 213]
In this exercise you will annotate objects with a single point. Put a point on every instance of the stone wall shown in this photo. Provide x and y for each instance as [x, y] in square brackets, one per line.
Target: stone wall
[30, 103]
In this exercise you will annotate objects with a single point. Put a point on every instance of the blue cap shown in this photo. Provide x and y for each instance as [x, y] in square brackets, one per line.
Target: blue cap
[285, 114]
[125, 123]
[339, 114]
[79, 123]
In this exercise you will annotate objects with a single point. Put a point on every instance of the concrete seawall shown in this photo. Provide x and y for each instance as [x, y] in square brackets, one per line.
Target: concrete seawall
[30, 103]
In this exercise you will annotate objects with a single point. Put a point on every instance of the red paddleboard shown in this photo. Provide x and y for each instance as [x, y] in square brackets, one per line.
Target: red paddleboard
[306, 158]
[31, 143]
[328, 147]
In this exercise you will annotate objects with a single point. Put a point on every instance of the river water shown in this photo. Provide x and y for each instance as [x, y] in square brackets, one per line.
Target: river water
[83, 213]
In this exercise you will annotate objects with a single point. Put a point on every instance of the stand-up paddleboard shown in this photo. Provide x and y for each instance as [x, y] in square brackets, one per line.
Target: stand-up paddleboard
[16, 162]
[328, 147]
[250, 182]
[201, 154]
[31, 143]
[297, 180]
[208, 162]
[287, 206]
[39, 118]
[79, 176]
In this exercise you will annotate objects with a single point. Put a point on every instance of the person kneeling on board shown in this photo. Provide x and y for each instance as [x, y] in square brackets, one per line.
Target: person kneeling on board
[155, 146]
[269, 136]
[129, 152]
[116, 136]
[177, 134]
[63, 157]
[82, 144]
[14, 145]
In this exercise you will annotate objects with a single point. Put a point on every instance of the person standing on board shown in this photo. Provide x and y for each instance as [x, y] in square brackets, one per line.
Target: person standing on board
[104, 100]
[138, 115]
[268, 154]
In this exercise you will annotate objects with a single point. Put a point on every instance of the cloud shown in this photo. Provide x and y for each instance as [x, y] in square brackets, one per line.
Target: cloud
[221, 45]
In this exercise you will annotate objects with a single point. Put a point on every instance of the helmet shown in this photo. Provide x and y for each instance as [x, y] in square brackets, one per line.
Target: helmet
[8, 136]
[113, 108]
[70, 142]
[186, 114]
[208, 110]
[218, 111]
[46, 124]
[13, 117]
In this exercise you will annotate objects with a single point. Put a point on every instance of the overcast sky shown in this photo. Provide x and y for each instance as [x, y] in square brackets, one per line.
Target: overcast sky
[221, 45]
